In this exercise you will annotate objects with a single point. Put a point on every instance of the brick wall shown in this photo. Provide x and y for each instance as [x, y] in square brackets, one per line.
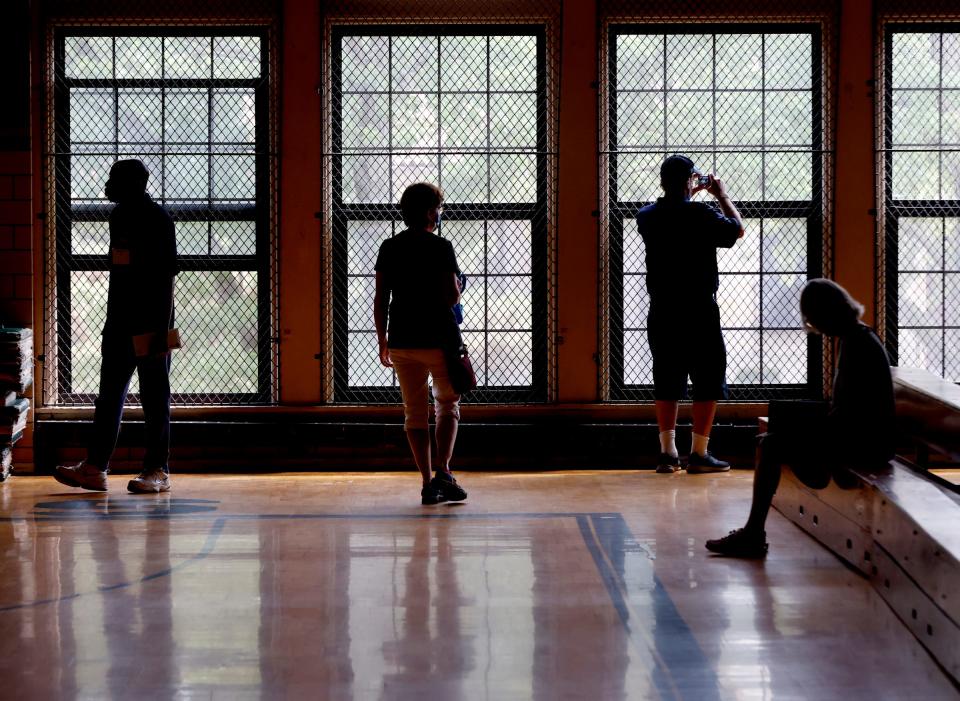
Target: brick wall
[16, 263]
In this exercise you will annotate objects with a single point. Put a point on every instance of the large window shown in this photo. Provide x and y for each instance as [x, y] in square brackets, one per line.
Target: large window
[922, 197]
[745, 103]
[463, 107]
[193, 105]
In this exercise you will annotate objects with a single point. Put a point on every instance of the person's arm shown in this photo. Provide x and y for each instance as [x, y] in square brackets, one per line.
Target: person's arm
[450, 285]
[381, 303]
[719, 190]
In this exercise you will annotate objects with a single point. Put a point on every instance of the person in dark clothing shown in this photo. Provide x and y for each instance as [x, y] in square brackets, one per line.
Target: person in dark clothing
[417, 288]
[143, 264]
[683, 324]
[857, 430]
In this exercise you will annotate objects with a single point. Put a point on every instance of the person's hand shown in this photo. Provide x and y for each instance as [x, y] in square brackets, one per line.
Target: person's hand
[716, 187]
[384, 353]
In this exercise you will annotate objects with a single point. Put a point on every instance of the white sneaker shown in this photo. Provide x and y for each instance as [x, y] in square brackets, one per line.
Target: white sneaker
[150, 482]
[82, 475]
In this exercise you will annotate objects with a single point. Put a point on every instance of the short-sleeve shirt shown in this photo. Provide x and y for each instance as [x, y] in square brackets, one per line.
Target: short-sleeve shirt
[415, 267]
[682, 238]
[143, 259]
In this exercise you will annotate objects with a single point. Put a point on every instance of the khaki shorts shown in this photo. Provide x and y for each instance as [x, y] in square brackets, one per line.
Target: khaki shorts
[413, 367]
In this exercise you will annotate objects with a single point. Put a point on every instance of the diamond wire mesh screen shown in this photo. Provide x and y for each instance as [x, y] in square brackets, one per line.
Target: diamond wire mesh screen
[467, 106]
[749, 103]
[920, 166]
[192, 102]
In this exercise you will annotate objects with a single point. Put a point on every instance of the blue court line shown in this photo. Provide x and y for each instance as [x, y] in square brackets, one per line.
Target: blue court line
[207, 549]
[606, 536]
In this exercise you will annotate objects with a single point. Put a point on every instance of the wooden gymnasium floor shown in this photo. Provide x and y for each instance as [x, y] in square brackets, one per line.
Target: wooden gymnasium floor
[545, 586]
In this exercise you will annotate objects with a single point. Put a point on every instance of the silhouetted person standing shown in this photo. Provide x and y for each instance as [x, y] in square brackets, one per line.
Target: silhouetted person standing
[143, 264]
[857, 431]
[683, 326]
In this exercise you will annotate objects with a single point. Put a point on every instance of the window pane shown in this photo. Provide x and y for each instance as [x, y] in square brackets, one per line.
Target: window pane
[186, 57]
[217, 318]
[921, 299]
[140, 118]
[92, 116]
[784, 357]
[91, 238]
[689, 61]
[236, 57]
[787, 61]
[415, 121]
[366, 179]
[186, 178]
[744, 257]
[509, 246]
[513, 63]
[788, 116]
[469, 244]
[916, 176]
[740, 119]
[464, 121]
[951, 292]
[365, 63]
[637, 363]
[743, 357]
[739, 300]
[139, 57]
[920, 244]
[781, 301]
[234, 177]
[640, 120]
[187, 116]
[365, 120]
[636, 302]
[463, 63]
[363, 244]
[513, 120]
[464, 178]
[916, 117]
[784, 245]
[509, 303]
[916, 60]
[88, 175]
[640, 62]
[364, 362]
[921, 348]
[412, 168]
[513, 178]
[740, 61]
[689, 119]
[360, 305]
[193, 238]
[88, 57]
[414, 67]
[508, 359]
[234, 115]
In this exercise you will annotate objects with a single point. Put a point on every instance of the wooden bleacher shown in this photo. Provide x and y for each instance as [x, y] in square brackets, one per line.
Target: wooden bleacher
[900, 527]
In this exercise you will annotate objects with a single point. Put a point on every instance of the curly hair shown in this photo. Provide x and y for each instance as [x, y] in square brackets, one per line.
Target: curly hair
[417, 200]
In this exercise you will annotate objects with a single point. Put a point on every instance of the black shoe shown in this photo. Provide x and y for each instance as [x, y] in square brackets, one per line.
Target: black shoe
[698, 464]
[430, 495]
[740, 543]
[448, 487]
[668, 464]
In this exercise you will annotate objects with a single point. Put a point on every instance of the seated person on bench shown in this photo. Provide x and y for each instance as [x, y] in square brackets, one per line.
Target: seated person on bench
[857, 430]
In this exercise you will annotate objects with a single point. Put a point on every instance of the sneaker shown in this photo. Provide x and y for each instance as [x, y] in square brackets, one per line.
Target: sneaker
[698, 464]
[668, 464]
[740, 543]
[82, 475]
[444, 483]
[150, 482]
[431, 495]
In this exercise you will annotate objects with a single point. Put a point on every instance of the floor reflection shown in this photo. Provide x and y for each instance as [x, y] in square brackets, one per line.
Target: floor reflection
[130, 597]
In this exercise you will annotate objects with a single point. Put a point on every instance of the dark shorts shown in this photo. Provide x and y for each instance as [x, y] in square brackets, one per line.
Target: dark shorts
[686, 342]
[814, 459]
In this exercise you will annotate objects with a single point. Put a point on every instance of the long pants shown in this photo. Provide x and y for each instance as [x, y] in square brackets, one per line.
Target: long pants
[116, 370]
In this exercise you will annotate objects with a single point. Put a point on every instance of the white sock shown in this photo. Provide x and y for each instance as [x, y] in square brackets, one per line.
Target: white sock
[668, 442]
[699, 444]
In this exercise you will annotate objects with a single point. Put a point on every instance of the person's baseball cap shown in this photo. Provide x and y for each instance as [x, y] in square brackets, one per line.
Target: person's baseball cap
[676, 170]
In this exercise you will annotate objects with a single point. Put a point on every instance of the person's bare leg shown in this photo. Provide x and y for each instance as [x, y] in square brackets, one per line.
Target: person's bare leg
[666, 414]
[703, 413]
[419, 440]
[447, 426]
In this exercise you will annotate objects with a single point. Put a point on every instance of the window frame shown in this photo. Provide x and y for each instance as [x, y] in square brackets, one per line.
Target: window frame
[896, 209]
[259, 212]
[811, 210]
[537, 213]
